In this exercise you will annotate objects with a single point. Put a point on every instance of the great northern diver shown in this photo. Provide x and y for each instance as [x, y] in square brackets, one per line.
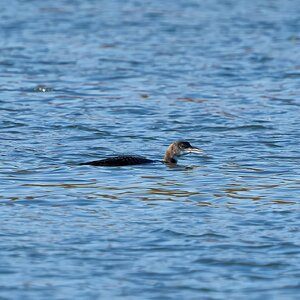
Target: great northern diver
[174, 151]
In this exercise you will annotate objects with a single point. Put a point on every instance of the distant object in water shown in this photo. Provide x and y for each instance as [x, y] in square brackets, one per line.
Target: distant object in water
[43, 88]
[174, 151]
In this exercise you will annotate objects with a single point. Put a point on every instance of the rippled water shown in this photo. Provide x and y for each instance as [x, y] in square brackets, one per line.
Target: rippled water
[81, 80]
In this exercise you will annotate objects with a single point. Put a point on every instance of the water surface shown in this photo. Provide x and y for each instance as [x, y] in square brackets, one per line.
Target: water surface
[81, 80]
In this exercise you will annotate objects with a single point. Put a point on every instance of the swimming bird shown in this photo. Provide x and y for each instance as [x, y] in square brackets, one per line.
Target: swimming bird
[173, 152]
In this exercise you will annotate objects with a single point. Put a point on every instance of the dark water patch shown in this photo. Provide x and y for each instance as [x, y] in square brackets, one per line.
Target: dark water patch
[292, 75]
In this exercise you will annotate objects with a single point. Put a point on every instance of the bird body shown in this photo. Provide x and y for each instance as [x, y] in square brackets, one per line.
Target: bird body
[120, 160]
[173, 152]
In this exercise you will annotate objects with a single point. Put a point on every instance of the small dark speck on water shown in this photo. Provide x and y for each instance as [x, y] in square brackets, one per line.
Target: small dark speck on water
[43, 89]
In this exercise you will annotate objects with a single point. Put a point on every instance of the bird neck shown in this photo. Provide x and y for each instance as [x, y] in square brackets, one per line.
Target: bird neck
[170, 155]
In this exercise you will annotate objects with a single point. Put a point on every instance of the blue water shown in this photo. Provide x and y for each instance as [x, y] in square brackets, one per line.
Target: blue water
[81, 80]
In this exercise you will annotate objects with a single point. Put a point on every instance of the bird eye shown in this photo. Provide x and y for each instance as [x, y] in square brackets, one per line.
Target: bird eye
[185, 145]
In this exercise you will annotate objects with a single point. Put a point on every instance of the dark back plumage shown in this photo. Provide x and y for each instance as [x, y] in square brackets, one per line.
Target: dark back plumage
[120, 160]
